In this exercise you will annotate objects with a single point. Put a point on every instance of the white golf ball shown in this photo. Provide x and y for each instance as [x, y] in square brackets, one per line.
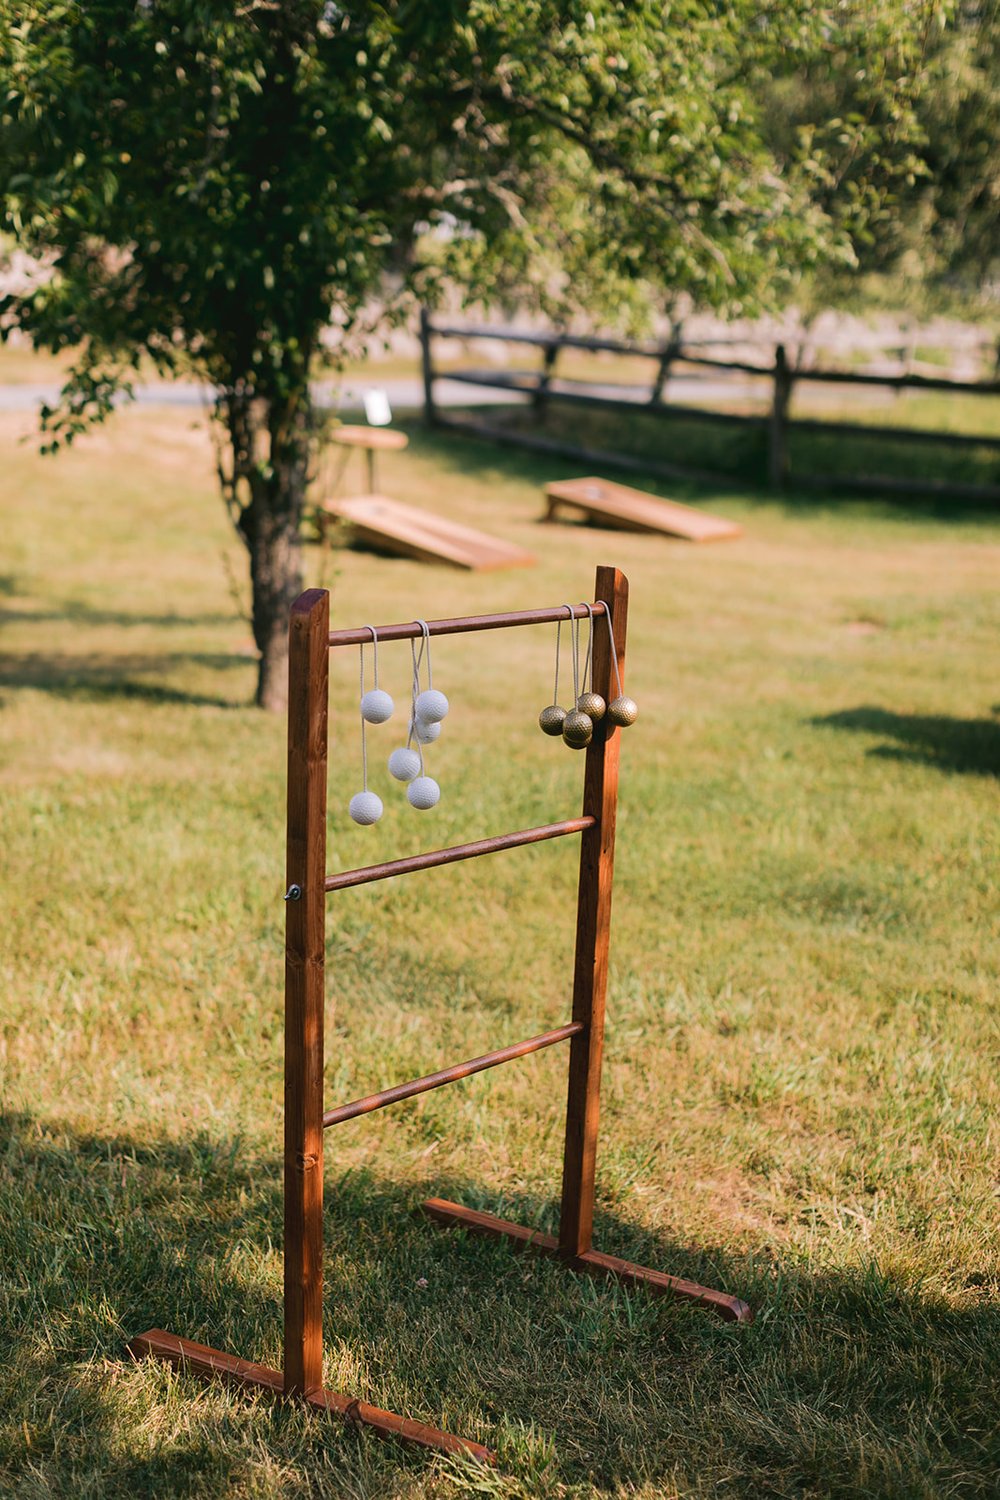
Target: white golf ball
[423, 793]
[365, 808]
[376, 706]
[432, 706]
[425, 733]
[404, 764]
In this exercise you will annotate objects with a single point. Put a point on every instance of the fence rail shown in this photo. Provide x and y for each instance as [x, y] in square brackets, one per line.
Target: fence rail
[777, 423]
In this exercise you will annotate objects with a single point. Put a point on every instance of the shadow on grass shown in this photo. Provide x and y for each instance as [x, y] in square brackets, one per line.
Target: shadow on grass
[78, 612]
[735, 456]
[96, 678]
[971, 746]
[850, 1383]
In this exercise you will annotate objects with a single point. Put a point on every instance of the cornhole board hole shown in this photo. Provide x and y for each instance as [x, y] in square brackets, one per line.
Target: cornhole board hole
[625, 509]
[391, 526]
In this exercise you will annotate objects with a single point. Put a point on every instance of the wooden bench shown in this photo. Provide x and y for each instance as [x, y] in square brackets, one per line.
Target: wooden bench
[391, 526]
[625, 509]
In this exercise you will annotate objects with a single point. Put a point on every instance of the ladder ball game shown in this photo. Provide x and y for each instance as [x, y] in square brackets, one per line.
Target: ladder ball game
[599, 711]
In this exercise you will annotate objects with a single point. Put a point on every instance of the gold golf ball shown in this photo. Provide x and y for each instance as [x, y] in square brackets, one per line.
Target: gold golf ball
[623, 711]
[551, 719]
[591, 704]
[577, 730]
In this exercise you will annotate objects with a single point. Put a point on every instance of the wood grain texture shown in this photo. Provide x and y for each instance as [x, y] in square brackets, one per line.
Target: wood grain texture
[592, 1262]
[390, 526]
[462, 624]
[382, 439]
[199, 1359]
[401, 1091]
[496, 845]
[304, 990]
[593, 930]
[634, 510]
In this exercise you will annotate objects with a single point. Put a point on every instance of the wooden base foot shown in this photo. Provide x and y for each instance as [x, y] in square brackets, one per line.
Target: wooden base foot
[454, 1216]
[185, 1354]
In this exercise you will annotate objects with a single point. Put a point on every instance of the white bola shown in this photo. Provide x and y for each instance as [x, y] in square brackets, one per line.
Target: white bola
[423, 793]
[404, 764]
[425, 733]
[365, 808]
[431, 706]
[376, 706]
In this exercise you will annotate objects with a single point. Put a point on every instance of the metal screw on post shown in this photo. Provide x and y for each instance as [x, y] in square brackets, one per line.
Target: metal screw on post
[293, 893]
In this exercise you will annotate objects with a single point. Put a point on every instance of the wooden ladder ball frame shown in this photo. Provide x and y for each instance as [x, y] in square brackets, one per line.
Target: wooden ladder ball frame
[305, 1120]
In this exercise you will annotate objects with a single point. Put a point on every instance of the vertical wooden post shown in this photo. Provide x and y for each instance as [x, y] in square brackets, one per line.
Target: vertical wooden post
[430, 415]
[308, 692]
[593, 930]
[541, 396]
[778, 430]
[670, 352]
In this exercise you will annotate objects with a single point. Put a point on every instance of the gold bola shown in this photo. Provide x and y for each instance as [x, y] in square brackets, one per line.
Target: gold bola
[551, 719]
[623, 711]
[576, 727]
[591, 704]
[577, 730]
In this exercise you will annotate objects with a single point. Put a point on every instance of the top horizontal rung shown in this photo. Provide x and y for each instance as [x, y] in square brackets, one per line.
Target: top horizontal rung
[360, 635]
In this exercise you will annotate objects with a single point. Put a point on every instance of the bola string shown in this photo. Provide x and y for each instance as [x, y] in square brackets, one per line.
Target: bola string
[614, 655]
[427, 709]
[425, 654]
[555, 689]
[575, 726]
[364, 722]
[588, 662]
[425, 649]
[552, 718]
[375, 707]
[574, 638]
[569, 614]
[416, 657]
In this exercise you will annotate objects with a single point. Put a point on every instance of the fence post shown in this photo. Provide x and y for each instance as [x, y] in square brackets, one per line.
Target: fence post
[430, 415]
[670, 352]
[544, 379]
[778, 428]
[305, 917]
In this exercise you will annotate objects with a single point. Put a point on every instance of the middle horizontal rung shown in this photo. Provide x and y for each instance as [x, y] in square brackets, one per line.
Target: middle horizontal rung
[450, 856]
[449, 1075]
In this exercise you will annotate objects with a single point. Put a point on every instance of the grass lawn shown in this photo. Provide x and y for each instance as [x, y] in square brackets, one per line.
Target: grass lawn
[718, 447]
[801, 1083]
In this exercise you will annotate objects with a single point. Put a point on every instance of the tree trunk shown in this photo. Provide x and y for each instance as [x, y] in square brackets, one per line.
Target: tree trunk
[276, 577]
[270, 447]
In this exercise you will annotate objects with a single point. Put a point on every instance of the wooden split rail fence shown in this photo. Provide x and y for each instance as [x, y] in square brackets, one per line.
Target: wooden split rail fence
[776, 425]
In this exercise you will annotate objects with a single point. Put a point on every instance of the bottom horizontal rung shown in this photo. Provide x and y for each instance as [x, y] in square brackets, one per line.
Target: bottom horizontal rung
[401, 1091]
[454, 1216]
[185, 1354]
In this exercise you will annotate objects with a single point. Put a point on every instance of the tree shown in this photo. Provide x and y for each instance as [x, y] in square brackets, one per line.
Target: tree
[214, 185]
[899, 130]
[958, 202]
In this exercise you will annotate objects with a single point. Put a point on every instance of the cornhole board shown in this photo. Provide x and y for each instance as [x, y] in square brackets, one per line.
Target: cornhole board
[389, 524]
[619, 506]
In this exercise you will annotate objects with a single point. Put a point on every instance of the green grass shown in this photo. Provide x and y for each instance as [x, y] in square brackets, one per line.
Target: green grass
[718, 447]
[801, 1088]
